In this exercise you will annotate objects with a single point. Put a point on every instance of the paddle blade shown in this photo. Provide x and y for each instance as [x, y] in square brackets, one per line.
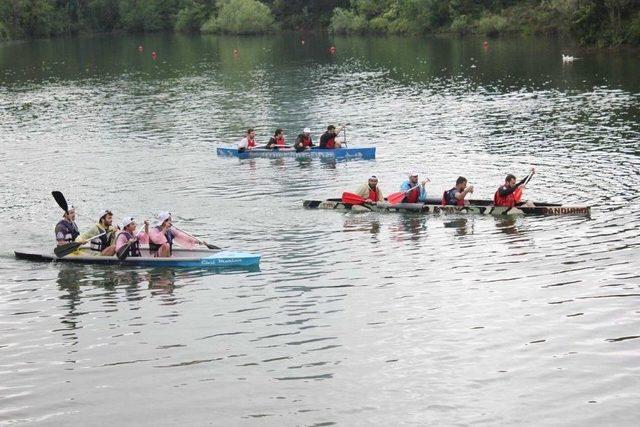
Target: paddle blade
[210, 246]
[62, 202]
[517, 195]
[123, 252]
[396, 198]
[352, 199]
[62, 251]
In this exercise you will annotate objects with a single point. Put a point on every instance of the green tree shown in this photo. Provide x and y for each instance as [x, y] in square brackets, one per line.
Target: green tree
[241, 17]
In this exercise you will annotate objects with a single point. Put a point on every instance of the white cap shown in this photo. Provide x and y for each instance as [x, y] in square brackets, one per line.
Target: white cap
[104, 212]
[373, 177]
[162, 217]
[306, 130]
[126, 221]
[413, 173]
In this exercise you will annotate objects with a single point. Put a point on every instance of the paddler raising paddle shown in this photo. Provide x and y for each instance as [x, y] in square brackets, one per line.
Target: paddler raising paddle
[370, 191]
[66, 228]
[328, 139]
[163, 235]
[105, 242]
[510, 193]
[413, 191]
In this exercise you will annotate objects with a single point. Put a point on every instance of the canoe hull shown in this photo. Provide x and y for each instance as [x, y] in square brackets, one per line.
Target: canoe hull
[182, 258]
[486, 208]
[351, 153]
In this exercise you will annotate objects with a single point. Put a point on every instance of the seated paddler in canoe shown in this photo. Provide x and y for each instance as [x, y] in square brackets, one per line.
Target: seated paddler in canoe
[102, 235]
[413, 191]
[276, 141]
[164, 234]
[66, 229]
[303, 141]
[128, 241]
[510, 193]
[248, 142]
[328, 140]
[369, 193]
[455, 196]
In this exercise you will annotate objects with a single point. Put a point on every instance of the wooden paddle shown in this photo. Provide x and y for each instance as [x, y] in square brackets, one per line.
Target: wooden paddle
[208, 245]
[62, 251]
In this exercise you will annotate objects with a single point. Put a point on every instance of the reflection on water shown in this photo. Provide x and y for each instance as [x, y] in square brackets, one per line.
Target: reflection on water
[351, 319]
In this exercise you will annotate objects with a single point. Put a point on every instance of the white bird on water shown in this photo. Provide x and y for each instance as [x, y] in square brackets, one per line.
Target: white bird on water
[568, 58]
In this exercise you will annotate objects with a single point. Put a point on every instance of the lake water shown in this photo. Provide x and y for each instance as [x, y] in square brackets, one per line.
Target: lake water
[353, 319]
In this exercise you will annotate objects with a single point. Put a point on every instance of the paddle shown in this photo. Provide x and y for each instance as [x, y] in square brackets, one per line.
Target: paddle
[517, 195]
[208, 245]
[62, 251]
[398, 197]
[352, 199]
[62, 202]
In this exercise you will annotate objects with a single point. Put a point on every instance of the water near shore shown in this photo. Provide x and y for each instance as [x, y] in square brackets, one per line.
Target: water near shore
[365, 319]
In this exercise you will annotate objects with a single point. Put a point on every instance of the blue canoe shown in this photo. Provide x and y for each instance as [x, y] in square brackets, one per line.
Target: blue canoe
[182, 258]
[350, 153]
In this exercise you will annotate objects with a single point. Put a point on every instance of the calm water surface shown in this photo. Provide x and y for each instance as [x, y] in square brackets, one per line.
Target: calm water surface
[352, 319]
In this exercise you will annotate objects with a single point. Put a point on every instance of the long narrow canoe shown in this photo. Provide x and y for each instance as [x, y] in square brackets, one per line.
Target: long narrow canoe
[183, 258]
[350, 153]
[480, 207]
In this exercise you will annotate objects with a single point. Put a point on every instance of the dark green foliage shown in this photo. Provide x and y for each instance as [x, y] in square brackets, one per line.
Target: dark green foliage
[592, 22]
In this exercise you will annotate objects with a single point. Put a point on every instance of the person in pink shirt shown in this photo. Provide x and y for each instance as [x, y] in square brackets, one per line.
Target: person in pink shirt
[163, 235]
[128, 237]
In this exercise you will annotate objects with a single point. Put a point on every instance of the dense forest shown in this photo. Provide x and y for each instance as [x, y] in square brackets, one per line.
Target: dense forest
[592, 22]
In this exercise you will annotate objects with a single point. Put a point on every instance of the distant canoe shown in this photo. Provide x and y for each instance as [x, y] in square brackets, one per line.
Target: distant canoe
[182, 258]
[480, 207]
[350, 153]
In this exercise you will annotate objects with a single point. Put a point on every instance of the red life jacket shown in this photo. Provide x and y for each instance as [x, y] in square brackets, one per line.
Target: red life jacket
[306, 142]
[280, 141]
[373, 194]
[508, 201]
[251, 143]
[413, 195]
[331, 143]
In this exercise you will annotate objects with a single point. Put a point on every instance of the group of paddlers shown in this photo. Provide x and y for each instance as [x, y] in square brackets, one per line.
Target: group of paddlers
[122, 240]
[412, 190]
[328, 140]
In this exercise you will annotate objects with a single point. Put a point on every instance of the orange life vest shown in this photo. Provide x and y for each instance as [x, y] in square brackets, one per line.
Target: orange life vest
[413, 195]
[508, 201]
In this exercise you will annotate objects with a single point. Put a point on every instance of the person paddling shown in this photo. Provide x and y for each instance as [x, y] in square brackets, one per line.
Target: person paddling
[414, 192]
[456, 195]
[277, 140]
[509, 194]
[105, 243]
[370, 191]
[66, 229]
[248, 142]
[163, 235]
[328, 139]
[303, 141]
[128, 236]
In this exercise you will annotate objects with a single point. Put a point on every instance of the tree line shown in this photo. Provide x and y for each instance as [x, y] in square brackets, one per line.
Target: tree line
[592, 22]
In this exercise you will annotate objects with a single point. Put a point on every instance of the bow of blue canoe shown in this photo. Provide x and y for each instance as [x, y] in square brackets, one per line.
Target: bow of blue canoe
[182, 258]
